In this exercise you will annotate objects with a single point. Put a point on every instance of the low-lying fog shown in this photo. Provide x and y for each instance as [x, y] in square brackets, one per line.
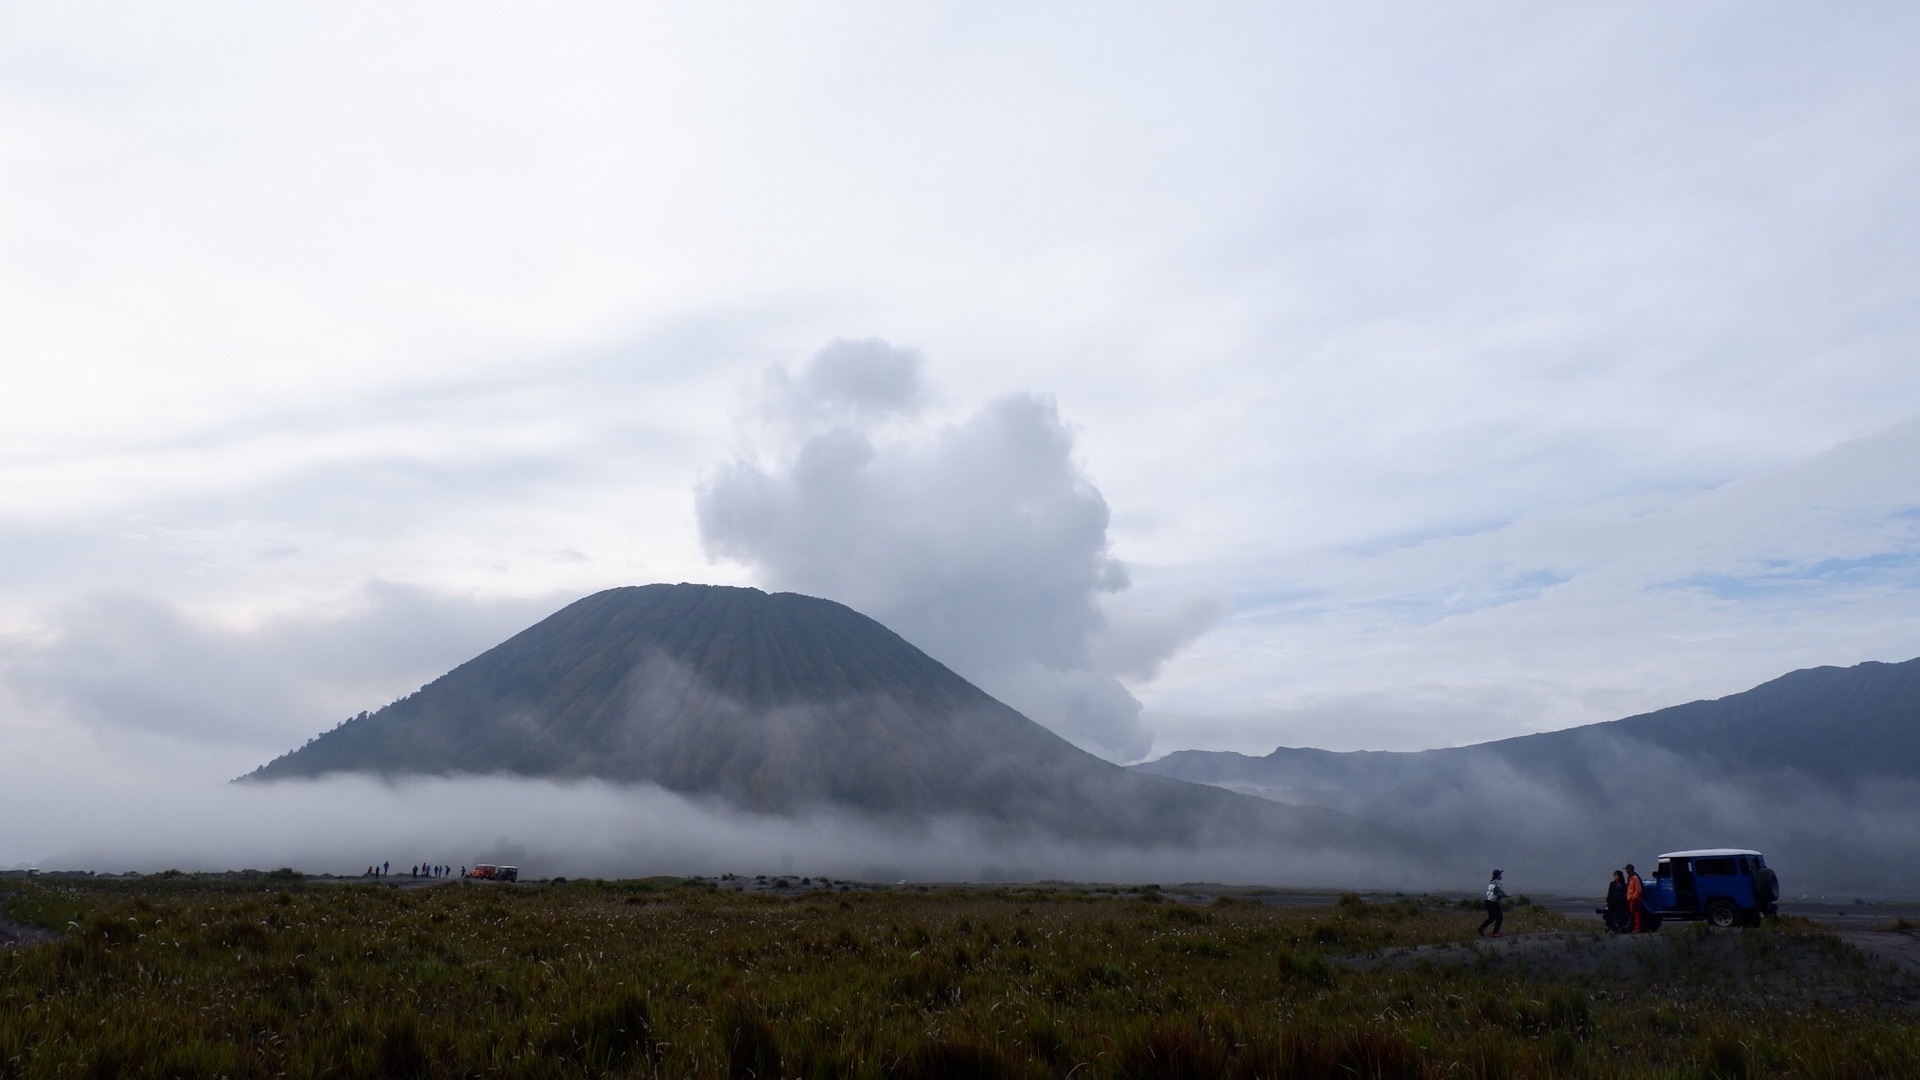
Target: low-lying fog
[71, 800]
[151, 805]
[587, 829]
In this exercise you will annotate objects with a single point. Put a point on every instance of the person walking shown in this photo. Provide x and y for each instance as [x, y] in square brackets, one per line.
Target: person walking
[1635, 890]
[1495, 916]
[1618, 920]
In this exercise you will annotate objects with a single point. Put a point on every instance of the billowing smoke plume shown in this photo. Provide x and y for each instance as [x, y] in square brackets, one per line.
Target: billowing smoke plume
[980, 540]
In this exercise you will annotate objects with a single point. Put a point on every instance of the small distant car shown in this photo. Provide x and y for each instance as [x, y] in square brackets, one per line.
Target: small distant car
[490, 872]
[1723, 886]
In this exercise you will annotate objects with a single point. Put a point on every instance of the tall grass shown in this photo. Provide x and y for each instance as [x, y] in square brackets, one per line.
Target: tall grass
[186, 978]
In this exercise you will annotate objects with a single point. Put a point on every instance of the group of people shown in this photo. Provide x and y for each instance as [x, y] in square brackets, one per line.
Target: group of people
[1626, 913]
[420, 870]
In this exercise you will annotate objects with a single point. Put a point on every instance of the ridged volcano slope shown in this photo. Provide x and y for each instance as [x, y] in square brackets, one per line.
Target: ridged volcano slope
[777, 703]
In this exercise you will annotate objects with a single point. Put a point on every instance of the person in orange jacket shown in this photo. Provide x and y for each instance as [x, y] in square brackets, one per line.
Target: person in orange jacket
[1634, 891]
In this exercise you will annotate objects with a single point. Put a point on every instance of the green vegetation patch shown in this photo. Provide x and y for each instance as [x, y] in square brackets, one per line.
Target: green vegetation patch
[281, 976]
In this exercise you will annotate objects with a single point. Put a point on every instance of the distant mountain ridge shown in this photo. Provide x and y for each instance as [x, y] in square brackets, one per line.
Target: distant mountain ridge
[1816, 764]
[1835, 723]
[779, 704]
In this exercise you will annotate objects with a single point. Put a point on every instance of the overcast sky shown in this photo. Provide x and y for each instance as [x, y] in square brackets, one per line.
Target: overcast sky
[1351, 376]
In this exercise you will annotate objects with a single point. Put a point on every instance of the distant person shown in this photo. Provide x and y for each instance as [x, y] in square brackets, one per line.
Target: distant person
[1495, 915]
[1636, 890]
[386, 868]
[1618, 919]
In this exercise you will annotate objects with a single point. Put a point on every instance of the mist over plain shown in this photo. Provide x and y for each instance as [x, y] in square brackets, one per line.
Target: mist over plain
[342, 825]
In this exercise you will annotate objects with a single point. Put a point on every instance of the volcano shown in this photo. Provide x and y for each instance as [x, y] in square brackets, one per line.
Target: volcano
[780, 704]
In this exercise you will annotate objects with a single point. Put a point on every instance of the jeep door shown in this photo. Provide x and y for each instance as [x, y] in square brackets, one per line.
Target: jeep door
[1685, 896]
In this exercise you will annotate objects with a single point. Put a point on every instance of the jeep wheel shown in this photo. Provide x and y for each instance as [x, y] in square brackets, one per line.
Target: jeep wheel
[1722, 913]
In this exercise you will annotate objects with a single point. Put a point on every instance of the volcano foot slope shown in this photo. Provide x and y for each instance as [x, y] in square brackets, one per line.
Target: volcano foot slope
[780, 703]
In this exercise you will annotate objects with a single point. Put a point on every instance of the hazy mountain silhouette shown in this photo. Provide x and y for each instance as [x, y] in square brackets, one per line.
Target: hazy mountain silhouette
[1819, 767]
[780, 703]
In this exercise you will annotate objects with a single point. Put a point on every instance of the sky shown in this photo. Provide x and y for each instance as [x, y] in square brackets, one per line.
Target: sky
[1210, 376]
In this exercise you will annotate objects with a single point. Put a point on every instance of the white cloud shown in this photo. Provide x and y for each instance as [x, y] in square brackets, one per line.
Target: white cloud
[132, 667]
[1416, 334]
[1572, 616]
[850, 383]
[979, 540]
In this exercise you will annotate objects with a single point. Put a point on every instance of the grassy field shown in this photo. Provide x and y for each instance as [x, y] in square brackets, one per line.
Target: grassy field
[194, 977]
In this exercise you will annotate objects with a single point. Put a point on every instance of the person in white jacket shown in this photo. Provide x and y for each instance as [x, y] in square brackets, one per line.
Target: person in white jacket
[1495, 916]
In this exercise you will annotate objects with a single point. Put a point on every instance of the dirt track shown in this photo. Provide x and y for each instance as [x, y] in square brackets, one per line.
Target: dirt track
[1813, 966]
[14, 934]
[1900, 948]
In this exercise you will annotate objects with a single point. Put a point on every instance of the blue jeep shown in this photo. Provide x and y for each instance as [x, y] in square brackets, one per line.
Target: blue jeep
[1724, 886]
